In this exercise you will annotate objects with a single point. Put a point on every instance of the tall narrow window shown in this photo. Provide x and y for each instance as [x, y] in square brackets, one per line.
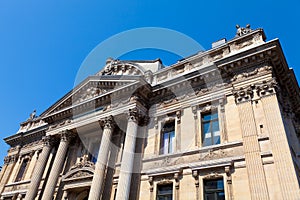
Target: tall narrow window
[168, 138]
[214, 189]
[210, 128]
[165, 192]
[22, 170]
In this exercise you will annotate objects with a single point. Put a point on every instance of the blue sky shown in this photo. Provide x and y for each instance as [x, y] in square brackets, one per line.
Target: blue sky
[43, 43]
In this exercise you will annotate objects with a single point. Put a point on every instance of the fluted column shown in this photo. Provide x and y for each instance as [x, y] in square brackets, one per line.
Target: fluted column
[254, 165]
[99, 175]
[57, 166]
[39, 169]
[279, 143]
[10, 162]
[124, 182]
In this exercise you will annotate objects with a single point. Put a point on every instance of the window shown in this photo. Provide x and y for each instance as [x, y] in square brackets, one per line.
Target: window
[165, 192]
[168, 138]
[210, 128]
[22, 170]
[214, 189]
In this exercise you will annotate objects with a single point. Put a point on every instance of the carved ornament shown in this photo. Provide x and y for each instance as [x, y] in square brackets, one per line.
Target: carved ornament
[213, 154]
[243, 94]
[212, 175]
[109, 122]
[243, 30]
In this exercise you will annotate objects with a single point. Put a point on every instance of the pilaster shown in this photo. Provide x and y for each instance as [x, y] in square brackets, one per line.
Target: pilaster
[254, 165]
[278, 139]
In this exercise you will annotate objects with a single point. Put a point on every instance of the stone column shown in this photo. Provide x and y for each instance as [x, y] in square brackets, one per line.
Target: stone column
[57, 165]
[254, 165]
[124, 182]
[6, 162]
[280, 147]
[19, 197]
[99, 175]
[39, 169]
[11, 161]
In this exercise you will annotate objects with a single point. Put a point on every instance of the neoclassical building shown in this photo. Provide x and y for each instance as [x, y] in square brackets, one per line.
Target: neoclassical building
[220, 124]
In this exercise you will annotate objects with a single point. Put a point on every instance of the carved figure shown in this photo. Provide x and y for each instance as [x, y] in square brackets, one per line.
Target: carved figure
[32, 115]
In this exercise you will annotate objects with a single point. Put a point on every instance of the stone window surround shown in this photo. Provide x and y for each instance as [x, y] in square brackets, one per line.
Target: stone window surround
[199, 110]
[170, 177]
[201, 174]
[159, 122]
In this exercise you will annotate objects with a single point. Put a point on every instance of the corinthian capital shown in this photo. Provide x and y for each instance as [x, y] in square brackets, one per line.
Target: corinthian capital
[136, 115]
[47, 140]
[243, 94]
[66, 135]
[267, 88]
[109, 122]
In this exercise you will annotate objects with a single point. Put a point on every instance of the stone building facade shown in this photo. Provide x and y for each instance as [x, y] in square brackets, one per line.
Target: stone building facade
[220, 124]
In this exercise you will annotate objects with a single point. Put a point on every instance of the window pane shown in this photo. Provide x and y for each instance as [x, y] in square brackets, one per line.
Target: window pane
[206, 117]
[214, 189]
[172, 142]
[215, 126]
[214, 115]
[165, 192]
[221, 196]
[210, 196]
[206, 127]
[165, 143]
[207, 140]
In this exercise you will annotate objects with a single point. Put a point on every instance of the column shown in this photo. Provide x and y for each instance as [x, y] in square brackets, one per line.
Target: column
[124, 182]
[39, 169]
[19, 197]
[279, 143]
[99, 175]
[254, 165]
[11, 161]
[57, 165]
[6, 162]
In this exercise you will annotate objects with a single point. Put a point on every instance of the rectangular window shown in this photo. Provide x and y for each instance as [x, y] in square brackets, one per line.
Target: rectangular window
[214, 189]
[165, 192]
[22, 170]
[168, 138]
[210, 128]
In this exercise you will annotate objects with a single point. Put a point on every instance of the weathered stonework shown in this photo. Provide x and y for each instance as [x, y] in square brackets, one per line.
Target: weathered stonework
[125, 138]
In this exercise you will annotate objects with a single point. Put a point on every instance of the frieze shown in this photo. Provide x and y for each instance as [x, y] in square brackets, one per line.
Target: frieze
[89, 93]
[60, 124]
[245, 75]
[212, 175]
[214, 154]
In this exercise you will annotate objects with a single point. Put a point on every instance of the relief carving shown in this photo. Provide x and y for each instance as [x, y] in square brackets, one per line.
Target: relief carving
[213, 154]
[212, 175]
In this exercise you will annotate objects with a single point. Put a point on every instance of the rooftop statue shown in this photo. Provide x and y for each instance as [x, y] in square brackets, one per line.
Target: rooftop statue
[242, 31]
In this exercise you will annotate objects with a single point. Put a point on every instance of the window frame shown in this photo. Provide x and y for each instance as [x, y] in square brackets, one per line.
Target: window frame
[168, 194]
[213, 191]
[211, 110]
[22, 169]
[168, 131]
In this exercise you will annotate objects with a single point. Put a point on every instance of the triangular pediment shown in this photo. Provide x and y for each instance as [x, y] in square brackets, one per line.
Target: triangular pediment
[91, 88]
